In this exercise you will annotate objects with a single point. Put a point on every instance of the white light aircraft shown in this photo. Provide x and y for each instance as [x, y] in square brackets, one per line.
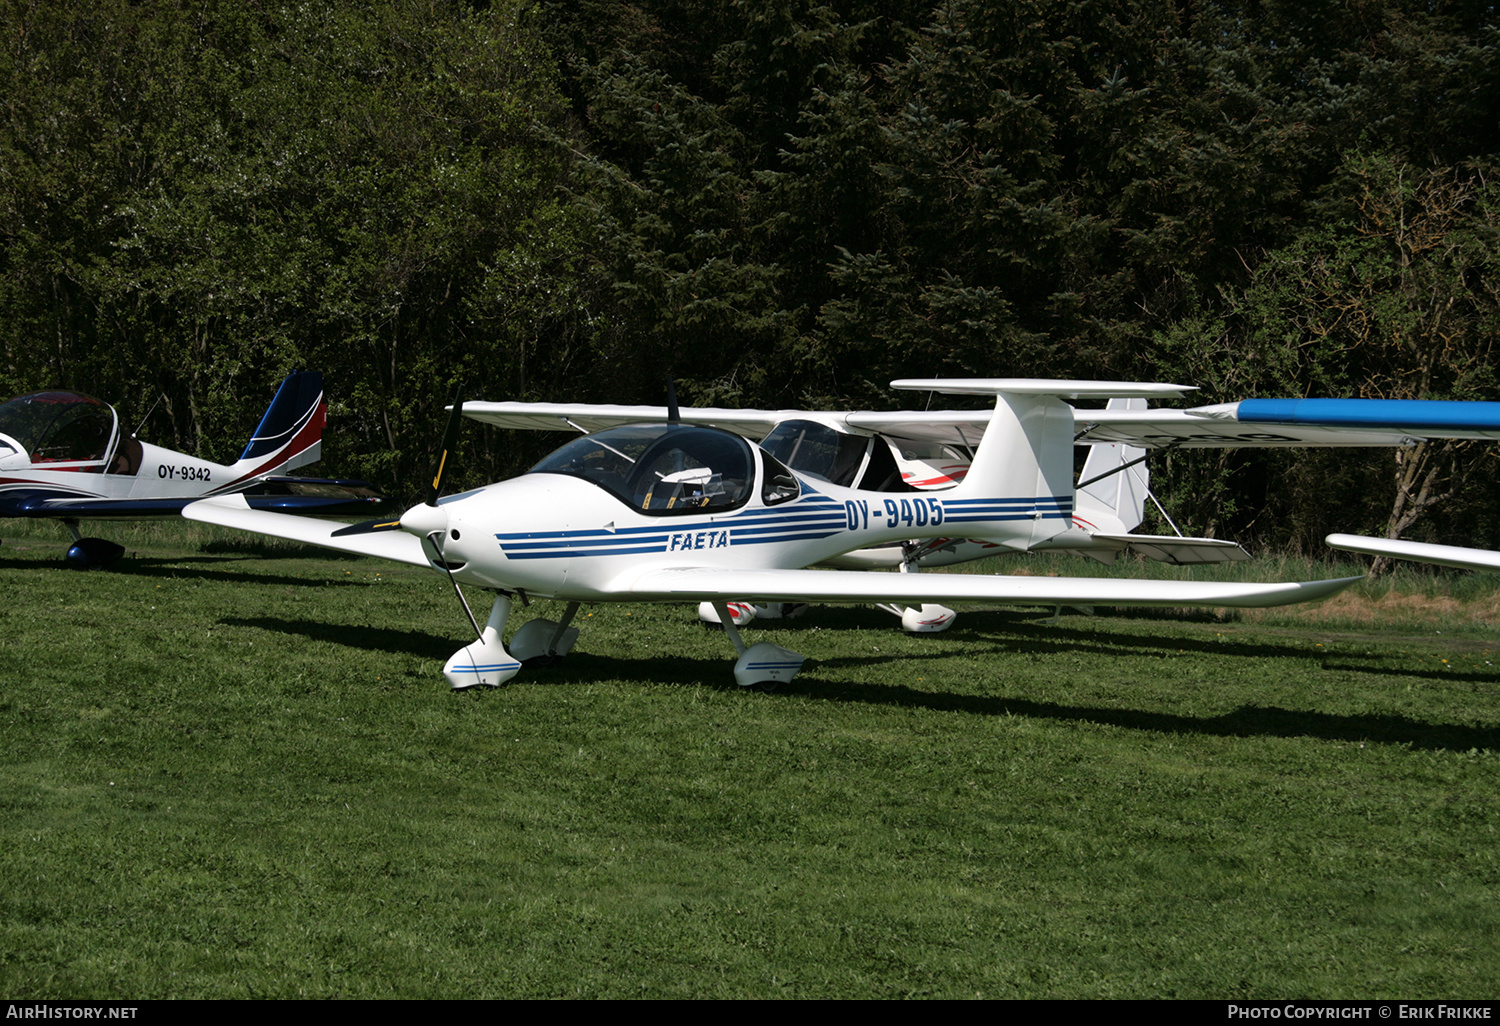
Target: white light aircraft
[64, 456]
[684, 509]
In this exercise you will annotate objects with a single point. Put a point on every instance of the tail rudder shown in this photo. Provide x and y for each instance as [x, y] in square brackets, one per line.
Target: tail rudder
[1111, 493]
[291, 432]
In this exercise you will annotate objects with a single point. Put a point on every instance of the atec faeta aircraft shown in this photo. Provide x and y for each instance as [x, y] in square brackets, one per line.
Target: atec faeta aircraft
[65, 456]
[682, 511]
[930, 452]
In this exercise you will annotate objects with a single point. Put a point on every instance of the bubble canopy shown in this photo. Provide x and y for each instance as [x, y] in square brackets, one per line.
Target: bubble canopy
[662, 469]
[59, 427]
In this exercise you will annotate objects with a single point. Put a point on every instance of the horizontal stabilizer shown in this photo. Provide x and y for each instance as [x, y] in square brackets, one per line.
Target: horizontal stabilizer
[1167, 548]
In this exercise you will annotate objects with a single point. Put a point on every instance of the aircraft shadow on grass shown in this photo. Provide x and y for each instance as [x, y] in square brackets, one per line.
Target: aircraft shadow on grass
[214, 569]
[420, 644]
[1247, 721]
[1010, 632]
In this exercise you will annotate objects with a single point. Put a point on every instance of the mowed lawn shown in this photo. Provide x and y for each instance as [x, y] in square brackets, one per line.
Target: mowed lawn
[228, 770]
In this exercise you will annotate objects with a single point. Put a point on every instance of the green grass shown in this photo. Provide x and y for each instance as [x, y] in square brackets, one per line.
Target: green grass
[233, 769]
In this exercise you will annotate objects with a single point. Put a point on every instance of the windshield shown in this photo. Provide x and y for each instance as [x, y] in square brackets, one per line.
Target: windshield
[661, 469]
[58, 427]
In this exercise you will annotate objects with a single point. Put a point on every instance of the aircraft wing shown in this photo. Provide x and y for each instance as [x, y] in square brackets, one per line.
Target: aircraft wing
[595, 417]
[1289, 422]
[961, 427]
[1443, 555]
[51, 502]
[700, 584]
[67, 505]
[234, 511]
[272, 494]
[1248, 423]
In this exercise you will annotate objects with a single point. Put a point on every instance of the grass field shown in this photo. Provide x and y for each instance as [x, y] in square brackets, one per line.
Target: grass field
[229, 769]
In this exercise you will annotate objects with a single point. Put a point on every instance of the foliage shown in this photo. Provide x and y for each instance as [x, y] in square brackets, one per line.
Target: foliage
[778, 204]
[1392, 295]
[200, 199]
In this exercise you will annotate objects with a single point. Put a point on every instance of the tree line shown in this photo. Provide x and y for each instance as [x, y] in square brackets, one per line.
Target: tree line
[779, 204]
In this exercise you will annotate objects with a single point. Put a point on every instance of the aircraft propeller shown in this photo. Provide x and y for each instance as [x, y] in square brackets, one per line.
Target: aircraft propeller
[429, 521]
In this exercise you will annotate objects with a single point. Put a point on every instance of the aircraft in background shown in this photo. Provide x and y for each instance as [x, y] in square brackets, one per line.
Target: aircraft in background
[64, 456]
[682, 510]
[1442, 555]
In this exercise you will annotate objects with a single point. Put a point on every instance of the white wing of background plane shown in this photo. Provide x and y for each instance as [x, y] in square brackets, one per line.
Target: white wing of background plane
[963, 427]
[1443, 555]
[585, 417]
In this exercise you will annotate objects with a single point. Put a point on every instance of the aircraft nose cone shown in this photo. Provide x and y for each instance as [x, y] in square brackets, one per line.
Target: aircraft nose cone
[424, 520]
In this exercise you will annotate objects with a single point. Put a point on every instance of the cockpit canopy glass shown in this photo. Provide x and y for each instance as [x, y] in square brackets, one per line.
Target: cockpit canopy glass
[59, 427]
[818, 451]
[661, 469]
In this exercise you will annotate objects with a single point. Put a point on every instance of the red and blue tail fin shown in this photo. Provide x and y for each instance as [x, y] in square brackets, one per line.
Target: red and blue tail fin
[291, 432]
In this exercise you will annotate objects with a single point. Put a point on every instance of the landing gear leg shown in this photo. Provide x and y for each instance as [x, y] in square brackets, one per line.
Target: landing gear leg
[544, 642]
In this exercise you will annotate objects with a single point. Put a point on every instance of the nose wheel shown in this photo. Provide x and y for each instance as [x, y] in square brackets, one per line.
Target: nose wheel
[485, 661]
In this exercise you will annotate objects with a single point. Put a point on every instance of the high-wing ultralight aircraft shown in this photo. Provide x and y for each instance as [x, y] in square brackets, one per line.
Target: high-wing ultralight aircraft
[685, 509]
[63, 455]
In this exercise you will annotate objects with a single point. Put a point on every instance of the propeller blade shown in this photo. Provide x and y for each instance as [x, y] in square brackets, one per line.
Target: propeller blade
[674, 416]
[369, 527]
[450, 439]
[429, 521]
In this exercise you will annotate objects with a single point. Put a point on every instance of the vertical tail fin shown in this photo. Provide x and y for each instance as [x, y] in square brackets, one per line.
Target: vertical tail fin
[1112, 499]
[291, 432]
[1023, 469]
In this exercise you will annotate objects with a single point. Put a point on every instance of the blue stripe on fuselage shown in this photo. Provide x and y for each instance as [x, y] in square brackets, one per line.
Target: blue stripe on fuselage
[804, 521]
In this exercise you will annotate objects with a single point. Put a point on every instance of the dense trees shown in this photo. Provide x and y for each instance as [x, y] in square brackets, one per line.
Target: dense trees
[200, 197]
[781, 203]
